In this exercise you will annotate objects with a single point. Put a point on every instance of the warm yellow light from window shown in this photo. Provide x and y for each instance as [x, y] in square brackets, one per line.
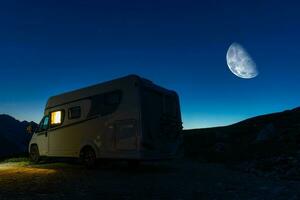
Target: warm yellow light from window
[56, 117]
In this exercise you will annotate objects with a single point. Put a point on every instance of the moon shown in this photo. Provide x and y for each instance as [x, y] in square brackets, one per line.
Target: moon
[240, 62]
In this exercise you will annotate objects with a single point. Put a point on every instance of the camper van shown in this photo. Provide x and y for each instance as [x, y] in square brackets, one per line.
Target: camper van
[129, 118]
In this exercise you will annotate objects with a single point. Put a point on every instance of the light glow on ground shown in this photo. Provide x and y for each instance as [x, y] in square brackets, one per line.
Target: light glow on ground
[13, 168]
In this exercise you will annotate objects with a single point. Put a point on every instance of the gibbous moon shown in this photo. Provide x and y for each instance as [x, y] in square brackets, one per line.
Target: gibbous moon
[240, 62]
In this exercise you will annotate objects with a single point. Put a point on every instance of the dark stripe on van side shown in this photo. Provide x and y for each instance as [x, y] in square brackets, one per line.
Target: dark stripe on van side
[69, 102]
[85, 98]
[75, 123]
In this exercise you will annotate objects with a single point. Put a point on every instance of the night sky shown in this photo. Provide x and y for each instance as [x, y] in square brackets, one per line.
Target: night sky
[50, 47]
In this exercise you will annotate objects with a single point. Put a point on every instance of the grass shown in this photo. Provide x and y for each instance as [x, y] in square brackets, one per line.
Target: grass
[20, 161]
[23, 161]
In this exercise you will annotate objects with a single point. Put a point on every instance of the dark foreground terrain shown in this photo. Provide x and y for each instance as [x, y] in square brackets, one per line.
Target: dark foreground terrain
[180, 179]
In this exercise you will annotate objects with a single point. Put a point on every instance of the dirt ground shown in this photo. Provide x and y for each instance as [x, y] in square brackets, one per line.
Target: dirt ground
[179, 179]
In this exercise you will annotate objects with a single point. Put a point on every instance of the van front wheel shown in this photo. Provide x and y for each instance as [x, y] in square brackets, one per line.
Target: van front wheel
[89, 157]
[34, 154]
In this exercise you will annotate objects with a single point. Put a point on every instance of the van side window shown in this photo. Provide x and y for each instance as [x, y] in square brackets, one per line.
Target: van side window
[43, 124]
[74, 112]
[46, 123]
[112, 98]
[56, 118]
[105, 104]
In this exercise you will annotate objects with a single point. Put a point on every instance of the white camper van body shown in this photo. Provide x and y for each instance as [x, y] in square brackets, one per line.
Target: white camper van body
[126, 118]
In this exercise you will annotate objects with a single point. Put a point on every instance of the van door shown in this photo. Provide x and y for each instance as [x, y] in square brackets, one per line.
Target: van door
[42, 136]
[126, 135]
[152, 111]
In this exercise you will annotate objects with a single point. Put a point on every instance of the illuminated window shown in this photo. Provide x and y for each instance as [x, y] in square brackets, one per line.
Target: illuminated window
[56, 118]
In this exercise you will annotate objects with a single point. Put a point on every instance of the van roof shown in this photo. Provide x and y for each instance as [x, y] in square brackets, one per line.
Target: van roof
[94, 90]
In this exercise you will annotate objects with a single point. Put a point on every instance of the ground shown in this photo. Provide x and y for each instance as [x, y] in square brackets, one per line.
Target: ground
[178, 179]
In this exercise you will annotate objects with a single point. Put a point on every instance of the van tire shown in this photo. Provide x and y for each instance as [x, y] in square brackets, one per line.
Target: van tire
[34, 154]
[88, 157]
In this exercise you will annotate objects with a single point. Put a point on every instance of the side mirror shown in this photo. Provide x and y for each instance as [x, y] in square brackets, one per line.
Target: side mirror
[29, 129]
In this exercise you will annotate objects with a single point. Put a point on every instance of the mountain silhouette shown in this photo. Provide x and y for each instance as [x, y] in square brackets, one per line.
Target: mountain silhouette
[261, 136]
[14, 138]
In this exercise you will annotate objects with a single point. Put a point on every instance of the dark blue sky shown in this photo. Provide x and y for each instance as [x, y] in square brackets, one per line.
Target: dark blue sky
[49, 47]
